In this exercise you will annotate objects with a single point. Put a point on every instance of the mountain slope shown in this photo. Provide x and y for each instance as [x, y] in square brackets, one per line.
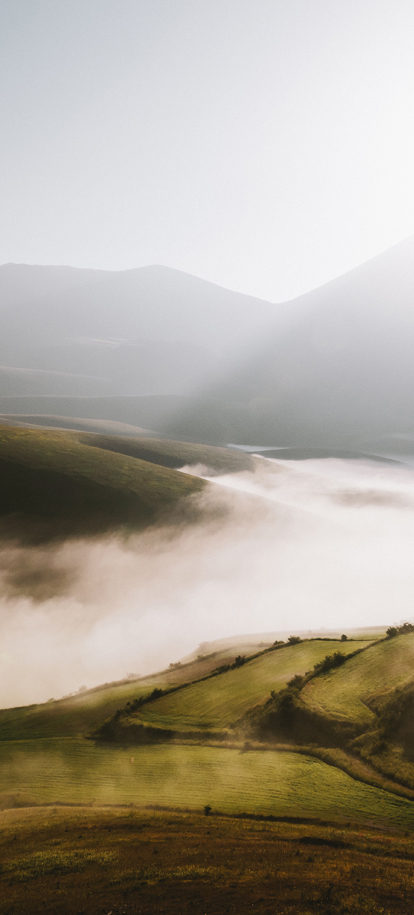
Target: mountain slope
[341, 374]
[153, 330]
[181, 356]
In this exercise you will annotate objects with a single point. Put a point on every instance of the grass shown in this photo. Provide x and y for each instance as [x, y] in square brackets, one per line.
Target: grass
[77, 715]
[59, 476]
[259, 782]
[220, 701]
[98, 861]
[174, 454]
[344, 692]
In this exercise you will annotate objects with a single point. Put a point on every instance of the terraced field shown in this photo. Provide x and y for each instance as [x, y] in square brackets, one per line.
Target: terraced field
[78, 715]
[278, 783]
[342, 693]
[219, 702]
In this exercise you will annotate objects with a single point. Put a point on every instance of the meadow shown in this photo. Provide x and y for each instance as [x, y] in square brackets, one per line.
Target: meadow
[90, 826]
[345, 692]
[277, 783]
[77, 715]
[219, 702]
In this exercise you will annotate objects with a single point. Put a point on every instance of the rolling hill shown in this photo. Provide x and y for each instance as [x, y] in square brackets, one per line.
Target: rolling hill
[346, 693]
[45, 758]
[218, 703]
[57, 483]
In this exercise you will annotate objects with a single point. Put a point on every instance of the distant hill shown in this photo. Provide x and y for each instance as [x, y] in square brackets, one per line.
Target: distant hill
[340, 376]
[153, 330]
[61, 483]
[329, 371]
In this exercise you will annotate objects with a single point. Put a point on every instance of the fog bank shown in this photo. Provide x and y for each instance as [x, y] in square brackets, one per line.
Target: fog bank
[295, 545]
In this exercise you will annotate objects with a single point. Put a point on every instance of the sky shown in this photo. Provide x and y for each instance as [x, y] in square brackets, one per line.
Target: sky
[265, 145]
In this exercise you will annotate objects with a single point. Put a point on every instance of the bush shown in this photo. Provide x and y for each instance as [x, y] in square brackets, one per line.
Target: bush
[294, 640]
[330, 662]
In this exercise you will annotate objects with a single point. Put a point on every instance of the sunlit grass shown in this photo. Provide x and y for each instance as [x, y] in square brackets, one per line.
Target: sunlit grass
[219, 702]
[343, 692]
[267, 782]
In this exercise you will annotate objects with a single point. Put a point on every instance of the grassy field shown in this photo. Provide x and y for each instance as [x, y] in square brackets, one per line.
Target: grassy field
[343, 693]
[95, 861]
[265, 782]
[219, 702]
[77, 715]
[213, 703]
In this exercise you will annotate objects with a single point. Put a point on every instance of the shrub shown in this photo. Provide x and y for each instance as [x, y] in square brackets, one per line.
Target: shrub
[330, 662]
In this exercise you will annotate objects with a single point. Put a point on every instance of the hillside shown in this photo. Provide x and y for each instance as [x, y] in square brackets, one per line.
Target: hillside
[153, 347]
[45, 758]
[62, 483]
[346, 693]
[81, 713]
[218, 703]
[337, 376]
[147, 331]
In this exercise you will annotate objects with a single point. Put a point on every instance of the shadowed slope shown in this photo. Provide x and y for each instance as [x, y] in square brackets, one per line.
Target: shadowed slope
[60, 479]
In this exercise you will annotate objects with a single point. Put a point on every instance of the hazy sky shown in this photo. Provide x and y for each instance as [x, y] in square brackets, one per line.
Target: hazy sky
[267, 145]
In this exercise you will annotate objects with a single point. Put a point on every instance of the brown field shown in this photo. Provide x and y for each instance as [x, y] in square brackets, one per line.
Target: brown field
[124, 860]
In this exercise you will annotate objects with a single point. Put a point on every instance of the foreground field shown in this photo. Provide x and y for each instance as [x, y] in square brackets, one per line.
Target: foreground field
[218, 703]
[129, 861]
[265, 782]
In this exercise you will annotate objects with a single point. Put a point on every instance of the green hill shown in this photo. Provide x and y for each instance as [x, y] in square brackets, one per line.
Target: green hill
[45, 757]
[58, 483]
[174, 454]
[77, 715]
[219, 702]
[346, 693]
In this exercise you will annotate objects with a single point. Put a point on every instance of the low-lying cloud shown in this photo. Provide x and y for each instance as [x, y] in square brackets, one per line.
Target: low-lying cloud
[293, 546]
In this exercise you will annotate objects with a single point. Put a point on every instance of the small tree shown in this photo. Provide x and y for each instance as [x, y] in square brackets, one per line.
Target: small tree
[294, 639]
[344, 638]
[392, 632]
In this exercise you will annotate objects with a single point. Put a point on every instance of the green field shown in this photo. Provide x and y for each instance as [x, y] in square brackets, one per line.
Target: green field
[77, 715]
[342, 693]
[219, 702]
[278, 783]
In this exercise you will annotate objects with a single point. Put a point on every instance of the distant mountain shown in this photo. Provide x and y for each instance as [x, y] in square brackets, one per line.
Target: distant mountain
[147, 331]
[153, 347]
[342, 375]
